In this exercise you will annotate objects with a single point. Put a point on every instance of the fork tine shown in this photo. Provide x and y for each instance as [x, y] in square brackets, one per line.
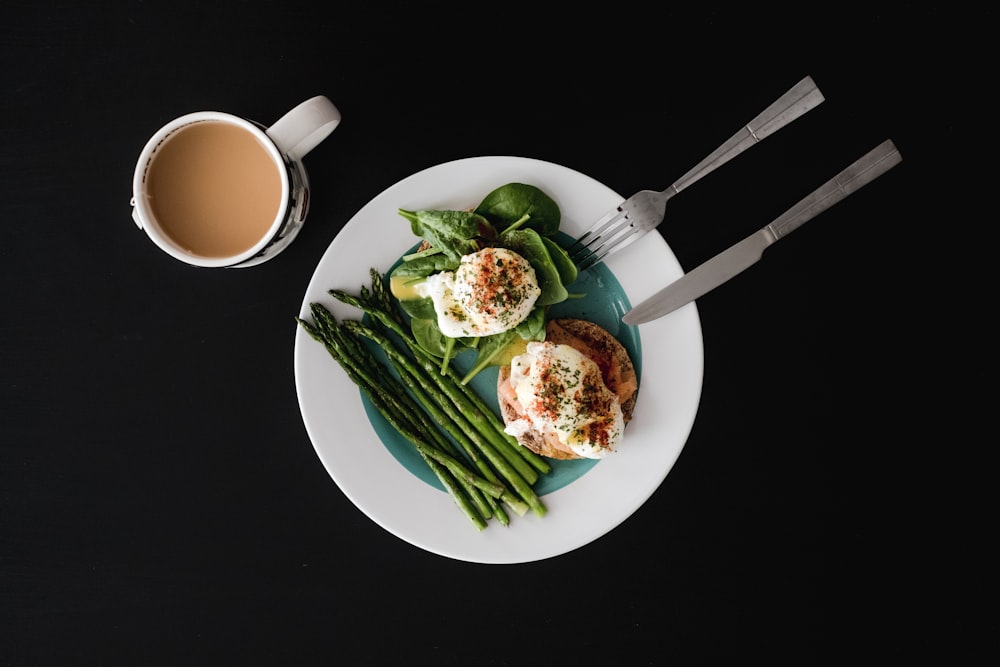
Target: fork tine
[623, 238]
[596, 229]
[611, 239]
[614, 221]
[601, 246]
[613, 218]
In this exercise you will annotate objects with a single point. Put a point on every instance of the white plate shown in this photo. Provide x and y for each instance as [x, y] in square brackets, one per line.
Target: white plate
[372, 478]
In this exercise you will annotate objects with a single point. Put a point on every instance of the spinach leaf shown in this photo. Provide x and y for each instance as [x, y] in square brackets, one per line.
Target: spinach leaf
[490, 348]
[454, 233]
[424, 265]
[560, 258]
[419, 309]
[509, 203]
[528, 244]
[429, 336]
[496, 350]
[533, 326]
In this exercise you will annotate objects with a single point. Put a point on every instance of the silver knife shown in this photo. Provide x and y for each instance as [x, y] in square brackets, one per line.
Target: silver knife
[747, 252]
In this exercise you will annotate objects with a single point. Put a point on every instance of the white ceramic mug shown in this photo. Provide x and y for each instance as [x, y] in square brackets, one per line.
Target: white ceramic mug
[285, 143]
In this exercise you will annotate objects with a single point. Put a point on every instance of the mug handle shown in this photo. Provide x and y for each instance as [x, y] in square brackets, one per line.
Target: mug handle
[304, 127]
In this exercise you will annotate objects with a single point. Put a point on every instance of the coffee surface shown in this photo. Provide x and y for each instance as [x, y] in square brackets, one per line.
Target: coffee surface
[214, 189]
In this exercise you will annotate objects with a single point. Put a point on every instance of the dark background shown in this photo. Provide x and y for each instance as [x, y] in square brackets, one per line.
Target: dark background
[160, 500]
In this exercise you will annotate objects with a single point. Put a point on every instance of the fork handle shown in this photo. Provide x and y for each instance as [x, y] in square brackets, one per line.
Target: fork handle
[802, 97]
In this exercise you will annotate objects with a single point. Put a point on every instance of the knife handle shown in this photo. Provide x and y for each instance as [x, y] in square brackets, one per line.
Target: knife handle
[863, 171]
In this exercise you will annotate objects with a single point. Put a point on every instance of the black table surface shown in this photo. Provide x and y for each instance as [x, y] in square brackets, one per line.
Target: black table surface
[161, 501]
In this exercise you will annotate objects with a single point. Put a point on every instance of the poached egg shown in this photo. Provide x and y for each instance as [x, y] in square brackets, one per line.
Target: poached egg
[492, 291]
[563, 396]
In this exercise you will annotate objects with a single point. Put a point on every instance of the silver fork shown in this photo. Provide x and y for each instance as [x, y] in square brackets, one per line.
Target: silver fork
[644, 210]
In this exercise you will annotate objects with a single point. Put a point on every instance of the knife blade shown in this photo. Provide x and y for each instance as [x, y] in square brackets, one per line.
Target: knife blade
[744, 254]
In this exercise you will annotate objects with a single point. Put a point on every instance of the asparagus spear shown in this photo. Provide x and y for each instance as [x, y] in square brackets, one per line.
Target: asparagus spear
[510, 473]
[527, 463]
[454, 406]
[439, 462]
[333, 330]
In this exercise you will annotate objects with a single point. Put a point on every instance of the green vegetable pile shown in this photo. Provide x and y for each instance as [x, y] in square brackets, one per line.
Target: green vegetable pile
[515, 216]
[482, 467]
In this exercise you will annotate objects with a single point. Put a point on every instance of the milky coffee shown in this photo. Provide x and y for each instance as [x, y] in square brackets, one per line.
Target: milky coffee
[214, 189]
